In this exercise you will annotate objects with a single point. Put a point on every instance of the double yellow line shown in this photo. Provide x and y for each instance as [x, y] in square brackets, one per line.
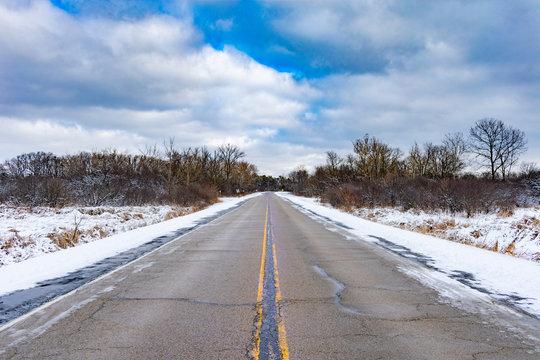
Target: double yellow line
[284, 349]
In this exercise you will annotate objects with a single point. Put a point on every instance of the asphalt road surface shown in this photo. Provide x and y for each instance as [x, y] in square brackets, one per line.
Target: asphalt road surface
[265, 281]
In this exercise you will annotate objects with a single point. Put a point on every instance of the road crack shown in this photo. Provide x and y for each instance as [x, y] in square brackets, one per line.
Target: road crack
[191, 301]
[337, 295]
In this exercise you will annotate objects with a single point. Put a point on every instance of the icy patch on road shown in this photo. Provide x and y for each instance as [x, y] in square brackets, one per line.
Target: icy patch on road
[505, 279]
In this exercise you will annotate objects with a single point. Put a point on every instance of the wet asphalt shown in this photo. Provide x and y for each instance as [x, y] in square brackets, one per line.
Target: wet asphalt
[195, 297]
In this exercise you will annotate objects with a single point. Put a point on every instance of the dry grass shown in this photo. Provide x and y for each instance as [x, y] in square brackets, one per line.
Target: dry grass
[15, 241]
[99, 230]
[175, 213]
[505, 213]
[94, 212]
[82, 228]
[127, 217]
[477, 234]
[65, 238]
[180, 211]
[528, 227]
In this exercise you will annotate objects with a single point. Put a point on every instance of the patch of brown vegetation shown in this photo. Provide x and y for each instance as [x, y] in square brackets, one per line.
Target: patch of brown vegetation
[65, 238]
[15, 241]
[94, 212]
[439, 229]
[506, 213]
[181, 211]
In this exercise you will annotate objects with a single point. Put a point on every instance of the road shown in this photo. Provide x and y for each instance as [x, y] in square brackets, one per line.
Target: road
[265, 281]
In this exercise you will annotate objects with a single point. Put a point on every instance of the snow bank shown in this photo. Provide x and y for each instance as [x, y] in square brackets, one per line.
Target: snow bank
[26, 232]
[27, 273]
[505, 278]
[516, 233]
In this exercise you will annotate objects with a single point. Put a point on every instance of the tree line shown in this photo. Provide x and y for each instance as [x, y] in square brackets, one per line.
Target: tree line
[429, 176]
[155, 176]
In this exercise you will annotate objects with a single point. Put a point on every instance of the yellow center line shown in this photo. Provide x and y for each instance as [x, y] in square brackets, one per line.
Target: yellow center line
[283, 347]
[263, 258]
[258, 324]
[281, 327]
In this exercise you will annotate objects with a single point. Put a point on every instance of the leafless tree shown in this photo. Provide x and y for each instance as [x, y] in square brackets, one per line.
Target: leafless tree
[497, 146]
[229, 155]
[437, 161]
[375, 159]
[416, 162]
[298, 180]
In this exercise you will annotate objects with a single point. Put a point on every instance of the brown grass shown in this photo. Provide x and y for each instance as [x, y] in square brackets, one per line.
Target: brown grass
[439, 229]
[94, 212]
[100, 230]
[476, 234]
[505, 213]
[15, 240]
[65, 238]
[180, 211]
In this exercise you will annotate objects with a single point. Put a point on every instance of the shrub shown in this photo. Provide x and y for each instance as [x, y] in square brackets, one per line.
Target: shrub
[470, 195]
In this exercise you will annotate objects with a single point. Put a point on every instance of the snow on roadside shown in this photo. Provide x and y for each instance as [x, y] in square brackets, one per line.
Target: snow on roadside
[516, 233]
[27, 232]
[27, 273]
[505, 278]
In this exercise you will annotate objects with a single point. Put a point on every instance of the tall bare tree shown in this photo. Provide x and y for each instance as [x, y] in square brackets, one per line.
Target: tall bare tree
[375, 159]
[298, 180]
[496, 145]
[229, 155]
[454, 148]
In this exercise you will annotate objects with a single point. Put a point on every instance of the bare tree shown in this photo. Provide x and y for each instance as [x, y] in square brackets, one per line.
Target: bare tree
[497, 145]
[229, 155]
[514, 144]
[437, 161]
[333, 164]
[172, 157]
[375, 159]
[416, 162]
[298, 179]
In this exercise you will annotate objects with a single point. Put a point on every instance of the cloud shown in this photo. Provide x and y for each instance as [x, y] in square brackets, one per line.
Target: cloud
[142, 79]
[224, 24]
[45, 135]
[412, 71]
[435, 92]
[370, 36]
[93, 77]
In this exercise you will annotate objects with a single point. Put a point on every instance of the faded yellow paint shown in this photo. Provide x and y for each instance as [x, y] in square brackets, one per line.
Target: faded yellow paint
[284, 348]
[258, 324]
[263, 259]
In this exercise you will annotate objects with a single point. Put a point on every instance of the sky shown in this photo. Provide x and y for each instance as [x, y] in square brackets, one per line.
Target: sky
[286, 81]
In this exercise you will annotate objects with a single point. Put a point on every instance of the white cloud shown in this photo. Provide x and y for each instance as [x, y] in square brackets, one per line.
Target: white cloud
[70, 83]
[435, 93]
[83, 83]
[280, 158]
[224, 24]
[45, 135]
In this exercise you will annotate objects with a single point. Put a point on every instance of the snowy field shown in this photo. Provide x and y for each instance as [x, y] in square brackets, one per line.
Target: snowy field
[44, 264]
[27, 232]
[516, 233]
[507, 279]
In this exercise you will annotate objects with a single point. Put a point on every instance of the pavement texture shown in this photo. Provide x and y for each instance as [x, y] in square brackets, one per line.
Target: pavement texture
[266, 281]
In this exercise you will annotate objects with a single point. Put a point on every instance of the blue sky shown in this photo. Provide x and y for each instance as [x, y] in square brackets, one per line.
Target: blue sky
[285, 80]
